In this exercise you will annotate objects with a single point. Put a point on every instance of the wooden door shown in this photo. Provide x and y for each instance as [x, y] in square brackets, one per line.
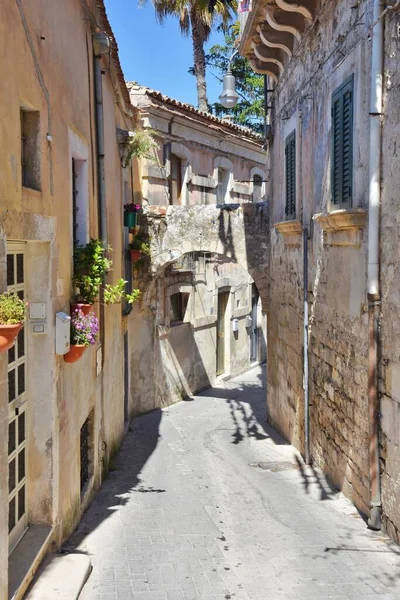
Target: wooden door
[223, 298]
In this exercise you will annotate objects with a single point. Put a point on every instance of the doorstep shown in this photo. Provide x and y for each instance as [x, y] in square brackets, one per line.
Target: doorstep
[26, 558]
[61, 578]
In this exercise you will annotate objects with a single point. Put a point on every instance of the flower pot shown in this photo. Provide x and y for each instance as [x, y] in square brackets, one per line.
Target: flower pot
[135, 255]
[130, 219]
[85, 308]
[76, 351]
[134, 230]
[8, 333]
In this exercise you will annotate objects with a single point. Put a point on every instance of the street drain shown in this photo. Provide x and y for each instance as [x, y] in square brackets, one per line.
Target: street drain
[274, 466]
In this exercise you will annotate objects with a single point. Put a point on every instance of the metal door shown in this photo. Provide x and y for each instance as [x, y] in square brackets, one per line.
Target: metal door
[17, 408]
[254, 329]
[222, 304]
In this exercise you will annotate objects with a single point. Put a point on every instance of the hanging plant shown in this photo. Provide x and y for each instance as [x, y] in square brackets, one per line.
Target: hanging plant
[140, 145]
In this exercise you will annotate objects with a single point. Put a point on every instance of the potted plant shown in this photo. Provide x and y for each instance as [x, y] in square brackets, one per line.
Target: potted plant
[138, 247]
[114, 294]
[130, 215]
[84, 330]
[140, 144]
[91, 263]
[12, 315]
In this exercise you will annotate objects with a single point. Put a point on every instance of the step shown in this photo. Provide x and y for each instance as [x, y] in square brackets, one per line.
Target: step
[62, 577]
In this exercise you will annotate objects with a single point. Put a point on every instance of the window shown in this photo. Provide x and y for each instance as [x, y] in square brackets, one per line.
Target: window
[30, 149]
[222, 186]
[257, 186]
[342, 145]
[86, 451]
[79, 202]
[175, 179]
[178, 306]
[290, 171]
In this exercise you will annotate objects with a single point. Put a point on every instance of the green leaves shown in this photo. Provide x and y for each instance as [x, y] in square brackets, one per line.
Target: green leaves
[12, 309]
[114, 294]
[91, 263]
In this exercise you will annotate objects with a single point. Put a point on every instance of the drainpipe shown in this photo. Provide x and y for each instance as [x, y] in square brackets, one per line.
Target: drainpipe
[305, 374]
[373, 289]
[101, 46]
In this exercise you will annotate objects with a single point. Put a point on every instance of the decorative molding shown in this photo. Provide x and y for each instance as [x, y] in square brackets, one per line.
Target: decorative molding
[242, 188]
[203, 181]
[342, 220]
[342, 227]
[288, 227]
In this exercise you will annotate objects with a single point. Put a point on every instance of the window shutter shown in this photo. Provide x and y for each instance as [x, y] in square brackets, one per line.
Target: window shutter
[342, 145]
[290, 168]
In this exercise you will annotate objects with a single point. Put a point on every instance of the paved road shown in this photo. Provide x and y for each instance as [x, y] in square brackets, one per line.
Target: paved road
[207, 502]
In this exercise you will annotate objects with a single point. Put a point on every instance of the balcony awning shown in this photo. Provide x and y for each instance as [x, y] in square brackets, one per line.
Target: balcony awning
[269, 30]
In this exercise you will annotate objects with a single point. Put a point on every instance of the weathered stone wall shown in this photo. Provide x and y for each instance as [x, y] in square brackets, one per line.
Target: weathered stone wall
[332, 50]
[390, 281]
[174, 360]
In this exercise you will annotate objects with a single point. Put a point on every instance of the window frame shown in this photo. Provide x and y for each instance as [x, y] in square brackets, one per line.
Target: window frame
[339, 95]
[290, 176]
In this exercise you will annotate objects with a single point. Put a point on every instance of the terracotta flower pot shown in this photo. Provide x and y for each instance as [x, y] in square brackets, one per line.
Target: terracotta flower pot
[8, 333]
[85, 308]
[76, 351]
[135, 255]
[134, 230]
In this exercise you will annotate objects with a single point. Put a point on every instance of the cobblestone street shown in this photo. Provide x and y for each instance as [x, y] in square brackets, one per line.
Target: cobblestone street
[206, 501]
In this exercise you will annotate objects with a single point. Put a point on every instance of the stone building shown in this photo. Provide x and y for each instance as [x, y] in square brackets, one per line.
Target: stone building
[59, 422]
[333, 349]
[202, 314]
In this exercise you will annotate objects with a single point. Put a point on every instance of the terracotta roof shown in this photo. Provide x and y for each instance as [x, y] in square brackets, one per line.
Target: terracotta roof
[105, 24]
[190, 108]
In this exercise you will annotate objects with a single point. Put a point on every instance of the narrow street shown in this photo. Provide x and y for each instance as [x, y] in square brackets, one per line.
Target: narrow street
[206, 501]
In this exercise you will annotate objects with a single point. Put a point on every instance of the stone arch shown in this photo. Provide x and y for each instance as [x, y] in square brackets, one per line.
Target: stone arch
[239, 233]
[256, 171]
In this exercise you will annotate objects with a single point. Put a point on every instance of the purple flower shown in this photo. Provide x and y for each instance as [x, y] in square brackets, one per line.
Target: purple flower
[84, 328]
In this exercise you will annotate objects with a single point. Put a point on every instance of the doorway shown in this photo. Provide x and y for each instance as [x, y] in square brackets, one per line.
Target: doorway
[17, 407]
[254, 326]
[223, 298]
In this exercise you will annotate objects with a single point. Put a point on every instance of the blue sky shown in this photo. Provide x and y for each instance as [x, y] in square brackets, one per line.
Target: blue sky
[155, 55]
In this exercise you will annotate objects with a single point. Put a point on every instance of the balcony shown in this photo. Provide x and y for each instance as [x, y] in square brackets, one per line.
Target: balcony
[271, 30]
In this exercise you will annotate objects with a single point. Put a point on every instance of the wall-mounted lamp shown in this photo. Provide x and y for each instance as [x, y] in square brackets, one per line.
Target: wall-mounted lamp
[229, 96]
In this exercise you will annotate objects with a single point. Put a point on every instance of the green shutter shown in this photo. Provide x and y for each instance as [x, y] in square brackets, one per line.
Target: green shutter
[290, 170]
[342, 145]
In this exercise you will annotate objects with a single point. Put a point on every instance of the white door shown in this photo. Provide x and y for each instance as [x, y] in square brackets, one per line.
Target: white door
[17, 408]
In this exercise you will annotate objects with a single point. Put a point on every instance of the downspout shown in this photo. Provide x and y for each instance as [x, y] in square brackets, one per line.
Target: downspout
[101, 46]
[305, 300]
[373, 288]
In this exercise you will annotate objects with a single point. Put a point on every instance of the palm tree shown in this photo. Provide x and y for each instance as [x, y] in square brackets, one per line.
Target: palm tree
[197, 17]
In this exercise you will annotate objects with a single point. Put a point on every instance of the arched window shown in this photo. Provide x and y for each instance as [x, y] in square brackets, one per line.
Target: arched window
[222, 187]
[257, 187]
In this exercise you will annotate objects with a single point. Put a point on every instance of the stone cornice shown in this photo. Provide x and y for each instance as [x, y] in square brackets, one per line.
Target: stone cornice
[342, 220]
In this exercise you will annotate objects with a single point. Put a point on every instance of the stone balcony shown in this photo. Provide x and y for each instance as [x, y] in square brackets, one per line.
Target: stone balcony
[271, 30]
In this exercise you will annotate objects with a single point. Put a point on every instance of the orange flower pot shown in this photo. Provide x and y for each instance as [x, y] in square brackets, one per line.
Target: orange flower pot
[76, 351]
[135, 255]
[85, 308]
[8, 333]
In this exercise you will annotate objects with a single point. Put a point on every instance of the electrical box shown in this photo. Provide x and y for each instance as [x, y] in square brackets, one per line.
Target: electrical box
[235, 324]
[63, 333]
[37, 310]
[249, 322]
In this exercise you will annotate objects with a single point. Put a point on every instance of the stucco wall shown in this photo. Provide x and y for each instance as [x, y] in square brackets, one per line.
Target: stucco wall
[60, 395]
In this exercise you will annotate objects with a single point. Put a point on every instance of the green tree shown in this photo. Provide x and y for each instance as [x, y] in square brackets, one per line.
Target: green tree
[197, 18]
[249, 110]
